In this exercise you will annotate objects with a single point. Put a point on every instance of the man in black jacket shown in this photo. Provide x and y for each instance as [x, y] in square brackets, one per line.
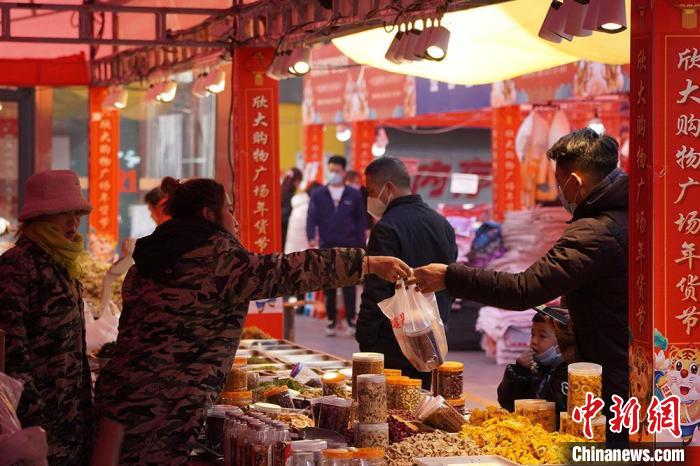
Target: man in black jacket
[587, 265]
[409, 229]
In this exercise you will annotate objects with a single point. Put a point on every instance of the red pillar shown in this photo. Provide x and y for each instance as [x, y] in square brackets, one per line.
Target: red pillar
[256, 165]
[103, 177]
[664, 244]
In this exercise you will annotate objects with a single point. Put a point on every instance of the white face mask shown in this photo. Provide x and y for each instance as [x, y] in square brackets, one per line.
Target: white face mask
[375, 207]
[569, 206]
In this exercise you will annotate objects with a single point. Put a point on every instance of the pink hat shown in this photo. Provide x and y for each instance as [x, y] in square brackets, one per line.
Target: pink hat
[52, 192]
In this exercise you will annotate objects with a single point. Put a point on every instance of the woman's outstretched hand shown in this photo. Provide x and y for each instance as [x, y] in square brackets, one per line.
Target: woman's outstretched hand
[388, 268]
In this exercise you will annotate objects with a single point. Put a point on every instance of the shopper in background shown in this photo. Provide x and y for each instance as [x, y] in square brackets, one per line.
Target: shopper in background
[290, 186]
[41, 312]
[155, 200]
[185, 301]
[352, 178]
[540, 372]
[409, 229]
[587, 265]
[337, 218]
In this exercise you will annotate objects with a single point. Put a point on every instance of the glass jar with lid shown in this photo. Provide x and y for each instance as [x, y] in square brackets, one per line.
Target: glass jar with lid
[238, 376]
[369, 457]
[450, 380]
[337, 457]
[365, 363]
[307, 452]
[333, 384]
[241, 399]
[408, 394]
[279, 396]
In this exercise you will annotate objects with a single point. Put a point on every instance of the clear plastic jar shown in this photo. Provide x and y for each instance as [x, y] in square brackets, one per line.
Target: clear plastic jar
[369, 457]
[392, 372]
[238, 376]
[268, 409]
[337, 457]
[334, 414]
[307, 452]
[279, 396]
[333, 384]
[372, 435]
[240, 399]
[598, 423]
[584, 377]
[392, 388]
[371, 398]
[565, 424]
[459, 405]
[408, 394]
[365, 363]
[450, 380]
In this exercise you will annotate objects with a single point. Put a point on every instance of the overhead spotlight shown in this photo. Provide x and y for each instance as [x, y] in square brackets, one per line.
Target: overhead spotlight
[408, 50]
[576, 16]
[300, 61]
[279, 67]
[437, 43]
[216, 82]
[199, 87]
[612, 16]
[554, 22]
[121, 96]
[167, 91]
[590, 22]
[391, 53]
[343, 133]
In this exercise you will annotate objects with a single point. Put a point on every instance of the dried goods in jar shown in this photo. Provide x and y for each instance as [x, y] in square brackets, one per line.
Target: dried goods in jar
[584, 377]
[372, 435]
[450, 380]
[365, 363]
[279, 396]
[408, 394]
[371, 398]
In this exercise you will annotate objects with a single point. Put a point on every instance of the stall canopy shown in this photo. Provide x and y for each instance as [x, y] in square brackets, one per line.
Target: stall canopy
[39, 23]
[491, 43]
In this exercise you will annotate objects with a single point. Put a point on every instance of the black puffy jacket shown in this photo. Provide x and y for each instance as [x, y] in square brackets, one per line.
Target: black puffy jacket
[546, 383]
[588, 267]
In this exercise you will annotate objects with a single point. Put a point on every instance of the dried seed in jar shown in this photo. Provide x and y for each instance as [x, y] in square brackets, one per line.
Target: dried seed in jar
[371, 398]
[450, 380]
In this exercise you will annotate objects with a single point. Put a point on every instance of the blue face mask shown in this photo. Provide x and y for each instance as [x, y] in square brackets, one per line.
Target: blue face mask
[549, 358]
[335, 179]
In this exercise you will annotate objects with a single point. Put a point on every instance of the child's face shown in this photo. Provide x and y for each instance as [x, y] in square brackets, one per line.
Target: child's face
[543, 337]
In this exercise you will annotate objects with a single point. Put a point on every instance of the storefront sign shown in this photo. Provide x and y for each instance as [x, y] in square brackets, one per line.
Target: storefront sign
[362, 139]
[338, 90]
[103, 180]
[507, 190]
[256, 162]
[313, 153]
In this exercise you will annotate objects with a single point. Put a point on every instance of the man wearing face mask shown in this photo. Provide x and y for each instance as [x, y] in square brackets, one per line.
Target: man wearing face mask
[409, 229]
[336, 218]
[587, 266]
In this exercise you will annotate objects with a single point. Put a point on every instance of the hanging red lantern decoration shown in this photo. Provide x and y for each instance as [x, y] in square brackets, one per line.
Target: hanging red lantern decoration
[689, 10]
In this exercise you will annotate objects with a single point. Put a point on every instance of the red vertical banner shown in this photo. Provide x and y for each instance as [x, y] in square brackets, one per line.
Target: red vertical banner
[363, 137]
[256, 165]
[664, 314]
[507, 182]
[103, 177]
[641, 248]
[313, 153]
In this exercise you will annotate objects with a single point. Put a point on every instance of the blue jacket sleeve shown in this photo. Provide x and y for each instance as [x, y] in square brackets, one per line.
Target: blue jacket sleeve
[311, 222]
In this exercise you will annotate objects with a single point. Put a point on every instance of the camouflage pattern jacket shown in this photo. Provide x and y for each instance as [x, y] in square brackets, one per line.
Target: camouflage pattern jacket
[41, 310]
[180, 329]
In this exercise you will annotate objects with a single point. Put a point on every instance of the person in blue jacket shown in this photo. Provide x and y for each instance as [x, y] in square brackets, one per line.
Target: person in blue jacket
[336, 218]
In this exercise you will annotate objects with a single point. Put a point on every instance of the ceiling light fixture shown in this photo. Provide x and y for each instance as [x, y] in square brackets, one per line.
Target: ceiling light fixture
[300, 61]
[576, 16]
[167, 91]
[612, 16]
[216, 82]
[554, 23]
[437, 43]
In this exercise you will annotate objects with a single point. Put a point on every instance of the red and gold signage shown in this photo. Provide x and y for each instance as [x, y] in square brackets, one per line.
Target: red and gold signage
[507, 185]
[256, 164]
[103, 181]
[313, 153]
[362, 139]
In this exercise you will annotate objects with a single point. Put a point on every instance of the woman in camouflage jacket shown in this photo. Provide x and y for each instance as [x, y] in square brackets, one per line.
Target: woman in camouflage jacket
[41, 311]
[185, 301]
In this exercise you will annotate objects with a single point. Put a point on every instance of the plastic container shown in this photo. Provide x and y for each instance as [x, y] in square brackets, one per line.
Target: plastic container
[584, 377]
[365, 363]
[253, 380]
[333, 383]
[392, 387]
[372, 435]
[541, 412]
[369, 457]
[450, 380]
[437, 413]
[279, 396]
[392, 372]
[337, 457]
[408, 394]
[371, 398]
[238, 376]
[423, 344]
[216, 418]
[460, 405]
[334, 414]
[241, 399]
[565, 424]
[307, 452]
[598, 423]
[268, 409]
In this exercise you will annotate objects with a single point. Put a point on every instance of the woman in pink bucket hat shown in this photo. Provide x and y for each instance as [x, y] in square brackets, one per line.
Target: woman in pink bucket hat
[41, 312]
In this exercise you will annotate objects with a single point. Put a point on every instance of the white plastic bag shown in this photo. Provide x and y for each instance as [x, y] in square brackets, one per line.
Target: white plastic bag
[415, 319]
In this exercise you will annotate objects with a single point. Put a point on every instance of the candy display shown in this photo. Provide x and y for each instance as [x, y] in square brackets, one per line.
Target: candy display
[365, 363]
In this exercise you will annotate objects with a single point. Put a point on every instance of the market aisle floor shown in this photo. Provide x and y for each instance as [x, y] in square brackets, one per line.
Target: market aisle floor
[481, 374]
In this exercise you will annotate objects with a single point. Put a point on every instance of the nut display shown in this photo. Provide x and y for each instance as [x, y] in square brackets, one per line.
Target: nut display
[392, 372]
[392, 388]
[371, 398]
[372, 435]
[365, 363]
[333, 384]
[446, 418]
[584, 377]
[450, 380]
[435, 444]
[402, 425]
[407, 395]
